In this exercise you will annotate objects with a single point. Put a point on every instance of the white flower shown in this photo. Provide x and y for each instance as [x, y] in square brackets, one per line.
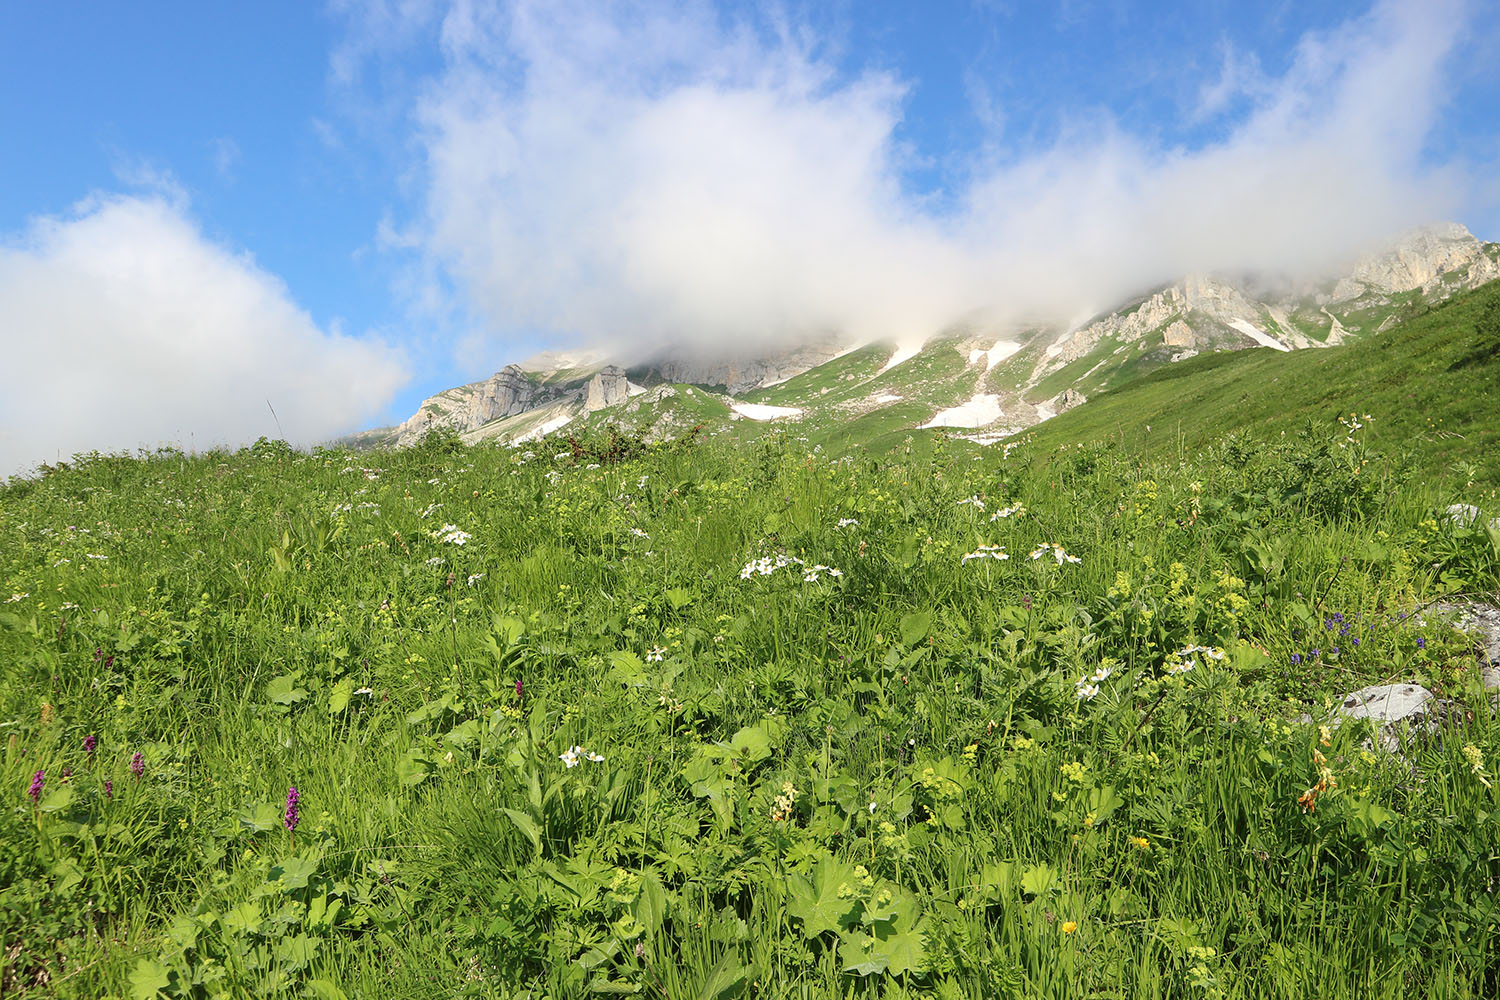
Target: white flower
[1180, 667]
[364, 691]
[1086, 692]
[637, 532]
[1102, 674]
[13, 598]
[986, 552]
[655, 655]
[1014, 511]
[94, 555]
[846, 522]
[436, 561]
[453, 535]
[1056, 550]
[597, 758]
[592, 465]
[973, 501]
[475, 578]
[571, 756]
[433, 482]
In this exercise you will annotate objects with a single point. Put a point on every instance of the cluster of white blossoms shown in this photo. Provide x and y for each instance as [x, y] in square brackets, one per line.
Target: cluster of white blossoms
[1085, 688]
[655, 654]
[986, 552]
[1187, 658]
[973, 501]
[766, 565]
[637, 532]
[1047, 548]
[846, 522]
[452, 535]
[1014, 511]
[573, 755]
[430, 509]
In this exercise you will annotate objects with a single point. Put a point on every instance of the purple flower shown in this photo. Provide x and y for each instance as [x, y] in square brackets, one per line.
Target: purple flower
[109, 789]
[89, 743]
[1316, 653]
[98, 654]
[518, 687]
[292, 816]
[1421, 642]
[138, 765]
[1356, 640]
[1296, 658]
[1334, 651]
[37, 781]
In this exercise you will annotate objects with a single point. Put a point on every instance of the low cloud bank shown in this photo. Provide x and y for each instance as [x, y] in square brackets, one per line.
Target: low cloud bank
[124, 327]
[642, 173]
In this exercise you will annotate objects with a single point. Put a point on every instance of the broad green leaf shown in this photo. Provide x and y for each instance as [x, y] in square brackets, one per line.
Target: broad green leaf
[527, 826]
[412, 769]
[725, 979]
[1039, 880]
[148, 979]
[294, 872]
[338, 698]
[322, 989]
[627, 668]
[679, 597]
[283, 690]
[650, 906]
[57, 799]
[260, 818]
[243, 919]
[915, 626]
[827, 900]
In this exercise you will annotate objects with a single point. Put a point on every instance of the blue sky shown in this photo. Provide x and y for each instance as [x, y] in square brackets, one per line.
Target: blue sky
[212, 207]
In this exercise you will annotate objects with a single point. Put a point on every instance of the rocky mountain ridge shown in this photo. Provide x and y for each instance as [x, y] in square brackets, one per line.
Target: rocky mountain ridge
[999, 381]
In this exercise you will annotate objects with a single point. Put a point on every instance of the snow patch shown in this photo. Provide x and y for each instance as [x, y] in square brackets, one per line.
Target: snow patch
[1002, 350]
[760, 411]
[542, 430]
[981, 409]
[903, 352]
[1044, 412]
[1261, 338]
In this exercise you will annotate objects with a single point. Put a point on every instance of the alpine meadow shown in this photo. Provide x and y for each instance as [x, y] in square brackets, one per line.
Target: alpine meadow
[976, 501]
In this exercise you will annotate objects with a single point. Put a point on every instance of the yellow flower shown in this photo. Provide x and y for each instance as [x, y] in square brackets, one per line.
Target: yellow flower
[1069, 926]
[1141, 842]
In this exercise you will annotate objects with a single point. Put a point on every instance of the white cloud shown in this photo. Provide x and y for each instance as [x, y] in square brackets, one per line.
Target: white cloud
[124, 327]
[644, 173]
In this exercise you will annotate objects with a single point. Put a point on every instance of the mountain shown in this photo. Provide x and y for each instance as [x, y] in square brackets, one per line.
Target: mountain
[993, 383]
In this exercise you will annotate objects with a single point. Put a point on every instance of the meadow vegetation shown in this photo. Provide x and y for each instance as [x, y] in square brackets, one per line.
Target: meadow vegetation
[743, 718]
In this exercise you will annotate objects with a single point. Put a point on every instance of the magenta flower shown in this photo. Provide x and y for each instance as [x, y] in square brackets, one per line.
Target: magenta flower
[109, 789]
[138, 765]
[37, 781]
[518, 687]
[292, 816]
[89, 743]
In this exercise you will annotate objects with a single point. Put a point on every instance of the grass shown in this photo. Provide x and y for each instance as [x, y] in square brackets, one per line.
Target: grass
[889, 781]
[1413, 380]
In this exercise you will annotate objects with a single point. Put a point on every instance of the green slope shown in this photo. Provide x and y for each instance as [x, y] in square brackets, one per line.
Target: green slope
[1431, 385]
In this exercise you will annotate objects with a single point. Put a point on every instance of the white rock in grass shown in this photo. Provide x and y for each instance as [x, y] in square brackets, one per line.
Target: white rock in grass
[1389, 707]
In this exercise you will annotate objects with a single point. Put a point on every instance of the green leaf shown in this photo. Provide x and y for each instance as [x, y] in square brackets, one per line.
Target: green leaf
[59, 798]
[412, 769]
[650, 906]
[627, 668]
[679, 598]
[244, 919]
[1039, 880]
[726, 979]
[261, 818]
[294, 872]
[915, 626]
[892, 948]
[817, 901]
[322, 989]
[283, 690]
[148, 979]
[338, 698]
[527, 826]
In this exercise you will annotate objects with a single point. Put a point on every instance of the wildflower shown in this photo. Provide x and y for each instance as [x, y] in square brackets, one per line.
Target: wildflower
[1086, 692]
[89, 743]
[138, 765]
[1471, 753]
[973, 501]
[293, 817]
[436, 561]
[109, 788]
[1421, 642]
[593, 757]
[37, 781]
[846, 522]
[656, 654]
[1013, 511]
[571, 756]
[786, 799]
[1069, 926]
[475, 578]
[1055, 550]
[986, 552]
[1325, 736]
[637, 532]
[1141, 842]
[452, 534]
[518, 687]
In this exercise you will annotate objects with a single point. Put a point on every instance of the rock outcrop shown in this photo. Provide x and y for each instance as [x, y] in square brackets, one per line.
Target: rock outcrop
[608, 387]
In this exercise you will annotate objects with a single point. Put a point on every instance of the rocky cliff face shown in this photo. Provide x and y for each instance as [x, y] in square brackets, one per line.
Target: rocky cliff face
[608, 387]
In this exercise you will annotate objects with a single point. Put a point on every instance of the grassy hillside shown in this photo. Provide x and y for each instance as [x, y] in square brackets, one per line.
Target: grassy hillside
[738, 718]
[1430, 385]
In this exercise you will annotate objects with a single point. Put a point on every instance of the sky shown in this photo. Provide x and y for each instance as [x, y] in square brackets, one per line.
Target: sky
[296, 220]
